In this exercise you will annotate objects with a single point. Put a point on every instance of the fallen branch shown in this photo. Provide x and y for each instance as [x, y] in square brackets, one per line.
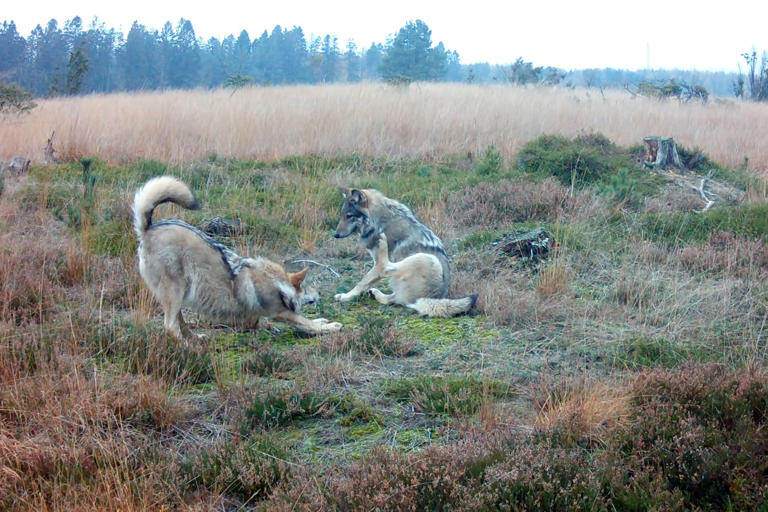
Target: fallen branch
[327, 267]
[709, 202]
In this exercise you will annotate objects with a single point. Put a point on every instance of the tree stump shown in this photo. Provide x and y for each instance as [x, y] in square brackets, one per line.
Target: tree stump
[661, 153]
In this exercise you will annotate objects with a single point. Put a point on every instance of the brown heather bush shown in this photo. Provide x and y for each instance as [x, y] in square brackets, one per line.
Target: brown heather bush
[266, 360]
[494, 205]
[243, 468]
[38, 260]
[686, 439]
[726, 255]
[508, 299]
[71, 441]
[703, 429]
[674, 199]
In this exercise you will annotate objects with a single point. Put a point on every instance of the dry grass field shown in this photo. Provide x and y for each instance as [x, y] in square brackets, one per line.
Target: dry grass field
[626, 371]
[421, 121]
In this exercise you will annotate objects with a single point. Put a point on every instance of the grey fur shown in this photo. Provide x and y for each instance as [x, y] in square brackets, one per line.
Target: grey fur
[403, 249]
[184, 267]
[234, 262]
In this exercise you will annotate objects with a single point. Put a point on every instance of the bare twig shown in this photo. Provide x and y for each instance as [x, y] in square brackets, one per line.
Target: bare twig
[327, 267]
[702, 192]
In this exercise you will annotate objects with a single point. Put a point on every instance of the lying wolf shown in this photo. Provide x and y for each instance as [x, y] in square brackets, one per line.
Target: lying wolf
[419, 273]
[183, 266]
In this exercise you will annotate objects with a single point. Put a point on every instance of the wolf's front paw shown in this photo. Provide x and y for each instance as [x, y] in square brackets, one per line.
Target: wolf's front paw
[342, 297]
[331, 327]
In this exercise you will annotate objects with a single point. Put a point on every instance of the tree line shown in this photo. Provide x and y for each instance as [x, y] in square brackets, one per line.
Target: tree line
[73, 59]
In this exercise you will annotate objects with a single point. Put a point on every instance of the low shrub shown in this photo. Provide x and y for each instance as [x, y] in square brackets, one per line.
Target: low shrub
[379, 337]
[702, 430]
[493, 205]
[691, 439]
[243, 468]
[579, 162]
[453, 396]
[143, 352]
[269, 361]
[282, 406]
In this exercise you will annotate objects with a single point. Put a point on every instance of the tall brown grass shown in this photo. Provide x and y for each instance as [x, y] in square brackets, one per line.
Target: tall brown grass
[423, 120]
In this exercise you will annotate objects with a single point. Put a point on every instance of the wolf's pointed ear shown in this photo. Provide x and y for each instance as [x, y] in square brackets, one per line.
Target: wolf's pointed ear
[358, 198]
[297, 278]
[344, 191]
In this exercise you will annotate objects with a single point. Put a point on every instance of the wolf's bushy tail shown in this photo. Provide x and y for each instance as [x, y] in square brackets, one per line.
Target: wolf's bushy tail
[164, 189]
[444, 308]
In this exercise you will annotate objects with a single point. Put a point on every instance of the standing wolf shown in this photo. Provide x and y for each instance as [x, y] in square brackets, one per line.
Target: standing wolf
[183, 266]
[419, 274]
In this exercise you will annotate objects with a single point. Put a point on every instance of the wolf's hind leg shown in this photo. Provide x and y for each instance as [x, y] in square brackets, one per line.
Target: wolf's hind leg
[364, 285]
[172, 320]
[382, 297]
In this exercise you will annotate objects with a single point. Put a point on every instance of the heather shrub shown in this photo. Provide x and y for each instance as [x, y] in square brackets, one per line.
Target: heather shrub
[379, 336]
[493, 205]
[450, 395]
[267, 360]
[702, 429]
[144, 352]
[243, 468]
[386, 480]
[277, 407]
[35, 271]
[724, 254]
[71, 440]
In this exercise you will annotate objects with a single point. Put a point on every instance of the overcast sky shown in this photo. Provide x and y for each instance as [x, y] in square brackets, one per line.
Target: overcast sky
[568, 34]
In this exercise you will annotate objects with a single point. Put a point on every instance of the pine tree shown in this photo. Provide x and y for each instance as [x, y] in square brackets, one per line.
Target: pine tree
[76, 71]
[410, 56]
[139, 59]
[13, 48]
[330, 62]
[352, 63]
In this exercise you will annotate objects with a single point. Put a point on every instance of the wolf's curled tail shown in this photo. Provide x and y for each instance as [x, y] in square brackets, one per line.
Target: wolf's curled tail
[164, 189]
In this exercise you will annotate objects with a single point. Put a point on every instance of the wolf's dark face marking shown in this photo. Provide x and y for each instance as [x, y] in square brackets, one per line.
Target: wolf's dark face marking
[353, 215]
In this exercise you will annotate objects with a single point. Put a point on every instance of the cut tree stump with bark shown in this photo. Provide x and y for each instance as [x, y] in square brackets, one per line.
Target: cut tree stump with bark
[661, 153]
